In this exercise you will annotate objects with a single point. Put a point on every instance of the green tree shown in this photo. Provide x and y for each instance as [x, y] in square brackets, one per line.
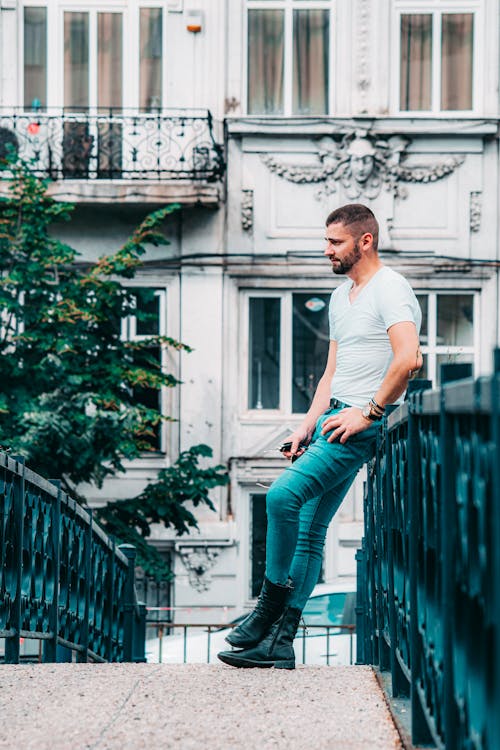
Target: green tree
[68, 401]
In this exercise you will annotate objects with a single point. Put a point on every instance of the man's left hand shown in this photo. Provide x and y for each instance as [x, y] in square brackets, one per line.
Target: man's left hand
[345, 423]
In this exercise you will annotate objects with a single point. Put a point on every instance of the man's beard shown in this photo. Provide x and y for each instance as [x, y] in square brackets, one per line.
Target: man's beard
[345, 265]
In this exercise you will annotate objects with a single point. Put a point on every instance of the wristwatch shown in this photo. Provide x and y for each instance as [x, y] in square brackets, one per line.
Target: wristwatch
[369, 412]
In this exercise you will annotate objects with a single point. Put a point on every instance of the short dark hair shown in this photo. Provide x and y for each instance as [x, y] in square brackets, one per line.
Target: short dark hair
[357, 218]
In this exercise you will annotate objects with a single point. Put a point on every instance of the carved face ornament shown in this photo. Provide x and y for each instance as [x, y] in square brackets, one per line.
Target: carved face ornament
[363, 164]
[361, 159]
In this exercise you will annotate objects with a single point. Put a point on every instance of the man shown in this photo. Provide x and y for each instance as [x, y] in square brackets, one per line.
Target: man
[374, 348]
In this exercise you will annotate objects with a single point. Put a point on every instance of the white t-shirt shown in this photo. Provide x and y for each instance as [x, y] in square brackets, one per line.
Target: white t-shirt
[364, 351]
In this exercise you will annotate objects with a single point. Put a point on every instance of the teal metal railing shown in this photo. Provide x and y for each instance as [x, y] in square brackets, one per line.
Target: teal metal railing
[429, 567]
[62, 580]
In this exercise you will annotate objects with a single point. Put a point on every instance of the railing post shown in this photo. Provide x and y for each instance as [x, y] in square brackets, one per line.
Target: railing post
[110, 598]
[449, 373]
[50, 647]
[129, 602]
[420, 732]
[12, 644]
[83, 656]
[139, 650]
[377, 563]
[390, 516]
[361, 655]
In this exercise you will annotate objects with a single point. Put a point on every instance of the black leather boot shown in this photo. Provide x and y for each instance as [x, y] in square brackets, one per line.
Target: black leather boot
[269, 607]
[275, 650]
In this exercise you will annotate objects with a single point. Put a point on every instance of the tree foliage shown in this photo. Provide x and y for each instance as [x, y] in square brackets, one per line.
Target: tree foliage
[163, 501]
[68, 401]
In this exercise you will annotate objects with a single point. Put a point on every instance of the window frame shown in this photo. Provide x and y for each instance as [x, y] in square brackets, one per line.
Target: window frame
[286, 350]
[432, 349]
[428, 7]
[128, 333]
[288, 6]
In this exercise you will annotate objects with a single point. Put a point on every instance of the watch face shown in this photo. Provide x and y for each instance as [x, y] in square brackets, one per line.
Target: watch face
[365, 411]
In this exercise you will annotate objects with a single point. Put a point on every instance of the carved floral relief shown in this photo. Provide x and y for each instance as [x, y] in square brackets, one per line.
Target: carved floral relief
[363, 165]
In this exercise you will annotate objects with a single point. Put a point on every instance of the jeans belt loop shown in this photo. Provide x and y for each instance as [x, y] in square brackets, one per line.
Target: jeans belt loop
[336, 404]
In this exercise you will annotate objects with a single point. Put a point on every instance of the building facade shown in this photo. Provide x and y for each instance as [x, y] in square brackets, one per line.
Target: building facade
[259, 117]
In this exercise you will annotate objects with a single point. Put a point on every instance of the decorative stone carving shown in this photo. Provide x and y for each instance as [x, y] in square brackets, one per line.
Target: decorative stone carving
[475, 211]
[231, 104]
[362, 164]
[198, 562]
[363, 33]
[247, 210]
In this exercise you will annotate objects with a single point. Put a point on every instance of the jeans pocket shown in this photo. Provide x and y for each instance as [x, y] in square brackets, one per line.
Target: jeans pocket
[320, 421]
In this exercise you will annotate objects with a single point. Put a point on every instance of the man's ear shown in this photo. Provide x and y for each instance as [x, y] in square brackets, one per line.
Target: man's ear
[367, 241]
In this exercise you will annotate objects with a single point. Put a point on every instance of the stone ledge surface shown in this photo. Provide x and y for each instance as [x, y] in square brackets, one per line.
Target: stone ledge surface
[192, 707]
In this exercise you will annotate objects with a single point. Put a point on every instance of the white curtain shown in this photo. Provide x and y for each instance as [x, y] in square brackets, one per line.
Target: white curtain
[456, 61]
[310, 61]
[150, 64]
[416, 62]
[76, 60]
[265, 61]
[109, 59]
[35, 56]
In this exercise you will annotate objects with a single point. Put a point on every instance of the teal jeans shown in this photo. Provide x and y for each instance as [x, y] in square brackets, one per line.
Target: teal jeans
[303, 500]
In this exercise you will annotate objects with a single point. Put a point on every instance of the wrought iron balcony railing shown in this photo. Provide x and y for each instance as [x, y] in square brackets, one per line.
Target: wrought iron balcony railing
[115, 144]
[429, 570]
[62, 581]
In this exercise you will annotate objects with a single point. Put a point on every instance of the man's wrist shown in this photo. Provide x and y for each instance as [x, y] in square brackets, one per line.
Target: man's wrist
[373, 411]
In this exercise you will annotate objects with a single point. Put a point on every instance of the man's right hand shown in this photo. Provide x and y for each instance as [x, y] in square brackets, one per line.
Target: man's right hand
[298, 441]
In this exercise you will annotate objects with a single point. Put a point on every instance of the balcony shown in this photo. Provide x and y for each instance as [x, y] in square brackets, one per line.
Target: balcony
[126, 155]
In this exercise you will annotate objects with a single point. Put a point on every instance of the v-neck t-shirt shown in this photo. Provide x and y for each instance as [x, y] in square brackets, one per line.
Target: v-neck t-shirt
[364, 351]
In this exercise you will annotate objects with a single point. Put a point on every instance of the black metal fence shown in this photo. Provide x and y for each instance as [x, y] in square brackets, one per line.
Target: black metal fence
[429, 568]
[115, 144]
[62, 581]
[189, 643]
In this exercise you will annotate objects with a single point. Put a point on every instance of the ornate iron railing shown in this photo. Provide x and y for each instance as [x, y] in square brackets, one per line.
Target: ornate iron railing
[62, 581]
[115, 144]
[429, 569]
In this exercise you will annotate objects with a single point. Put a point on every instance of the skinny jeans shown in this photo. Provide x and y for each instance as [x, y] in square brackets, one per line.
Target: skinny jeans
[303, 500]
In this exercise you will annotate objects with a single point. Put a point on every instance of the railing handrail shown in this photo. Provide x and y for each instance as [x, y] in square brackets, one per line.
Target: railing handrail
[225, 625]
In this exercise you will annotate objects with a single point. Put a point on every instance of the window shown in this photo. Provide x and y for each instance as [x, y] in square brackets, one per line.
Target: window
[436, 60]
[289, 57]
[448, 330]
[288, 349]
[93, 46]
[258, 541]
[103, 58]
[289, 339]
[35, 58]
[264, 371]
[148, 321]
